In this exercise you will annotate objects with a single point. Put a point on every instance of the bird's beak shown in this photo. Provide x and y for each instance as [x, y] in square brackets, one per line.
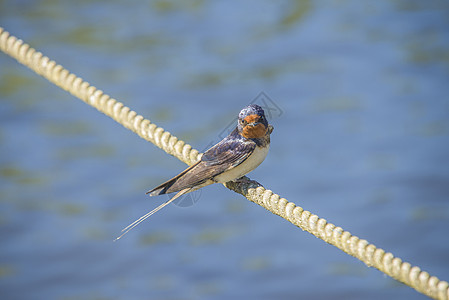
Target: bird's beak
[254, 124]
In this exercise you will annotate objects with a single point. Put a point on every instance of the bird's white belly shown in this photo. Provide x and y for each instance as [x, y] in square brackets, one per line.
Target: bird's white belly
[252, 162]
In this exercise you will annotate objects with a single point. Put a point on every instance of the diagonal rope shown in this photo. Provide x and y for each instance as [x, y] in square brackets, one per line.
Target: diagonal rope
[368, 253]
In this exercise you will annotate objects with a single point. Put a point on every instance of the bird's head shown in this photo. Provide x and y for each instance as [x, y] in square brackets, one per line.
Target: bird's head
[252, 123]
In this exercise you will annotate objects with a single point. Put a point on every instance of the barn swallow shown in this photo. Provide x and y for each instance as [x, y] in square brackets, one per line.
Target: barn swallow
[243, 150]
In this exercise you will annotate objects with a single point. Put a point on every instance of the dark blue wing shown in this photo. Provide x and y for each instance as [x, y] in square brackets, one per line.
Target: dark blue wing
[230, 152]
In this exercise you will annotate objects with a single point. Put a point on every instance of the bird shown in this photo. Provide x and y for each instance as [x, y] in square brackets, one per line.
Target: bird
[243, 150]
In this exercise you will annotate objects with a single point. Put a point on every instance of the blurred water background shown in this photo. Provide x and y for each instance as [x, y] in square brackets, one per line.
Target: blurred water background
[361, 138]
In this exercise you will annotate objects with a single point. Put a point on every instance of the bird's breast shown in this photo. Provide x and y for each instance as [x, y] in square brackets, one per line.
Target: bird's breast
[252, 162]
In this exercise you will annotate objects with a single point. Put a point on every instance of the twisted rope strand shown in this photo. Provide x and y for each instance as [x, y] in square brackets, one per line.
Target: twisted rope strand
[386, 262]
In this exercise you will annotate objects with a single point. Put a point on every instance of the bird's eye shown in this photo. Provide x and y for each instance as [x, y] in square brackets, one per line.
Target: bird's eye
[243, 122]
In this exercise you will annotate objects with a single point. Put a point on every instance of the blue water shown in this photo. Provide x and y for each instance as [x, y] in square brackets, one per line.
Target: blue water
[361, 115]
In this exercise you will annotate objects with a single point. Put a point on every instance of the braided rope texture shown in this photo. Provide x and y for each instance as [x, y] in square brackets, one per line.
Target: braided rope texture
[368, 253]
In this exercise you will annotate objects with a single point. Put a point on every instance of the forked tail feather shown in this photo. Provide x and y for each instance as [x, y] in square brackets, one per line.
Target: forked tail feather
[149, 214]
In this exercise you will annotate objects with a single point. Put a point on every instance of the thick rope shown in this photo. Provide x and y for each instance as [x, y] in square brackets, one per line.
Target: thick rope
[393, 266]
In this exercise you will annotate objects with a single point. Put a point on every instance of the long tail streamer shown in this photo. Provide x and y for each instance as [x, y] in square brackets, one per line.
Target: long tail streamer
[149, 214]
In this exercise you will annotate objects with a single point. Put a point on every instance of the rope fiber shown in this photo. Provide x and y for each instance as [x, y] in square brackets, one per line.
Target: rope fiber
[368, 253]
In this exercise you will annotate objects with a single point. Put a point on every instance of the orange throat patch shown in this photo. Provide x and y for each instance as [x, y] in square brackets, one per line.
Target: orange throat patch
[255, 132]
